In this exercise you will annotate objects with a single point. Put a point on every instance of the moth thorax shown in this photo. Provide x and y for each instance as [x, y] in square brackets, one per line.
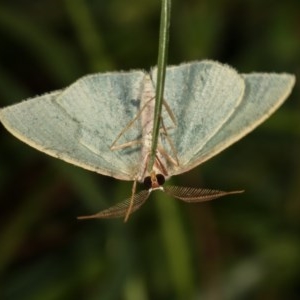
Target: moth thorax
[148, 140]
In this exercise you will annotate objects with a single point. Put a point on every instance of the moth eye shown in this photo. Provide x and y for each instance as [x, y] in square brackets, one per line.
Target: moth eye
[147, 182]
[160, 179]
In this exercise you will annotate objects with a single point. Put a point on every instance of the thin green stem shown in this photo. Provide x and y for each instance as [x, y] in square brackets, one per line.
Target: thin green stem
[161, 72]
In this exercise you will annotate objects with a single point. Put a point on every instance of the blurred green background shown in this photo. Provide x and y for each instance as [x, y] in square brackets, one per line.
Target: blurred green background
[241, 247]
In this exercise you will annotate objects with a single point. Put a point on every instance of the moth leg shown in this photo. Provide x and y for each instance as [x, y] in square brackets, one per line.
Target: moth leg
[169, 158]
[174, 160]
[113, 147]
[170, 113]
[128, 212]
[126, 145]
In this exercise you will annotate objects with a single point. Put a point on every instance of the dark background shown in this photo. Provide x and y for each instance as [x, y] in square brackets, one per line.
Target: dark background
[241, 247]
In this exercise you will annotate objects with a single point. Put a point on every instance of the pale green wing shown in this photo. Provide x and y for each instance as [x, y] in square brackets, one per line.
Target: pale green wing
[80, 123]
[264, 93]
[202, 96]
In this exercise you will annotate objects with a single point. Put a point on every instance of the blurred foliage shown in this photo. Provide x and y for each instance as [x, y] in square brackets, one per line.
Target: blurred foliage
[241, 247]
